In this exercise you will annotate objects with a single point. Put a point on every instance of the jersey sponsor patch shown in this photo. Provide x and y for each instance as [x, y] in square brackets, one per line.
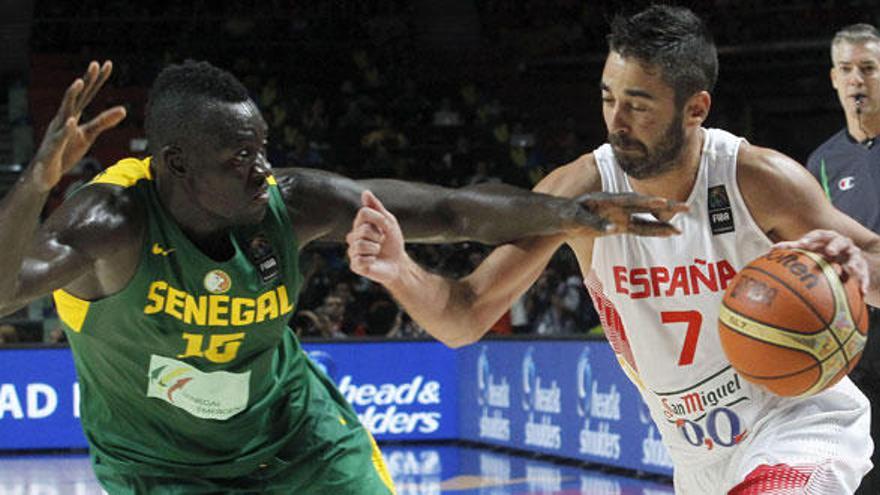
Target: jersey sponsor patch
[704, 412]
[216, 395]
[720, 212]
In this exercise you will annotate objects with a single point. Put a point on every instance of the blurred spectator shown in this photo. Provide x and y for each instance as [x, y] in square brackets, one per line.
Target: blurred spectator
[315, 120]
[326, 321]
[411, 106]
[8, 334]
[446, 116]
[57, 336]
[383, 318]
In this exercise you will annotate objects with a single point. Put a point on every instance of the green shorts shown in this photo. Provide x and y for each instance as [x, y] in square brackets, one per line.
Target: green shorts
[332, 454]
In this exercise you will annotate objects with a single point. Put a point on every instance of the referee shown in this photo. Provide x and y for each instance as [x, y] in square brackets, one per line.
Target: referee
[848, 167]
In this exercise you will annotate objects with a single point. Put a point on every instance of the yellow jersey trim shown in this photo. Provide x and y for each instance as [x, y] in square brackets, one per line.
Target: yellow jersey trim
[71, 309]
[271, 180]
[379, 465]
[125, 173]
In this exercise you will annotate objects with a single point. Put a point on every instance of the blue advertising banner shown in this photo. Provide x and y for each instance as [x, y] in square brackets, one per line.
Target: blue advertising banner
[566, 398]
[39, 400]
[400, 390]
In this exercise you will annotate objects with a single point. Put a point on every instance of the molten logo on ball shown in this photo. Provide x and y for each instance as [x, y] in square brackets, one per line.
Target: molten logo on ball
[789, 261]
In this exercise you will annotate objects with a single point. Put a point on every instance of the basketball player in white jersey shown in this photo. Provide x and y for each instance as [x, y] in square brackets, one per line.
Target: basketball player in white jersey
[659, 297]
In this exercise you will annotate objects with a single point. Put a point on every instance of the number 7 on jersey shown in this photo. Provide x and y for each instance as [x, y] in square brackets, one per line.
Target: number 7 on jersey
[694, 322]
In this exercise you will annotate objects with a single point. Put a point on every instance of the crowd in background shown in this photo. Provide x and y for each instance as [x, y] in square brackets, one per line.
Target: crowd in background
[369, 114]
[353, 87]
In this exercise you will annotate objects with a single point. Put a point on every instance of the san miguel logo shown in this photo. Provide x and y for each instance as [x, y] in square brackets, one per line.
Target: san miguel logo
[217, 282]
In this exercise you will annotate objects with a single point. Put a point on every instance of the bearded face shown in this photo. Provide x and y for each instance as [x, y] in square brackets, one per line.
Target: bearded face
[641, 161]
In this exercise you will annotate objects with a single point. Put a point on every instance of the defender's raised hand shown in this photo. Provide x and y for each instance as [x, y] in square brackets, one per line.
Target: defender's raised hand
[616, 213]
[66, 140]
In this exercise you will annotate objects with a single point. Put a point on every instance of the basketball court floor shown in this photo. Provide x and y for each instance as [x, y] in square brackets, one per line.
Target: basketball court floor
[417, 470]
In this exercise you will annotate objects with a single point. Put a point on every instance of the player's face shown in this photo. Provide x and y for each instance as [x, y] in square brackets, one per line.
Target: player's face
[645, 128]
[230, 164]
[856, 76]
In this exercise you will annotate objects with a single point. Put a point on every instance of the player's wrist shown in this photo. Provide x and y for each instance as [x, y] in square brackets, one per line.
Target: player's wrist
[31, 181]
[408, 276]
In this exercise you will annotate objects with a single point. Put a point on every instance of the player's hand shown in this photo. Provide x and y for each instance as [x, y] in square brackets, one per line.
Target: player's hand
[615, 213]
[375, 243]
[836, 248]
[66, 140]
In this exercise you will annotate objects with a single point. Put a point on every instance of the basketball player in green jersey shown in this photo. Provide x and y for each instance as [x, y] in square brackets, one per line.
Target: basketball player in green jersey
[175, 276]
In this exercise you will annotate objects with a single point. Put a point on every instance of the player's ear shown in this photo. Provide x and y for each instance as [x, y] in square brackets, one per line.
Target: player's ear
[696, 109]
[172, 157]
[833, 74]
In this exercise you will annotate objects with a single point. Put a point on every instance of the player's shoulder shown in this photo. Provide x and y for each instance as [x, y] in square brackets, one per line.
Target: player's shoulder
[771, 182]
[573, 179]
[297, 183]
[761, 167]
[106, 213]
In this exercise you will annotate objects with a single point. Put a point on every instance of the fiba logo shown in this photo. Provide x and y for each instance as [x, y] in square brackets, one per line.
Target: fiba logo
[584, 382]
[484, 376]
[529, 379]
[324, 361]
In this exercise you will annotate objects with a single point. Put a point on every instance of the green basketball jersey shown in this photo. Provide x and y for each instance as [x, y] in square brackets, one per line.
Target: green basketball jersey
[191, 367]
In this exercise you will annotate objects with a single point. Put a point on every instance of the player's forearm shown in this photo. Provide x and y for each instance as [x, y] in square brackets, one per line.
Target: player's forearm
[460, 312]
[441, 305]
[19, 220]
[499, 213]
[491, 214]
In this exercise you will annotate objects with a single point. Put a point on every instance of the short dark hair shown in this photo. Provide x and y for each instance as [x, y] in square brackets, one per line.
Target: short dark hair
[854, 33]
[674, 39]
[178, 95]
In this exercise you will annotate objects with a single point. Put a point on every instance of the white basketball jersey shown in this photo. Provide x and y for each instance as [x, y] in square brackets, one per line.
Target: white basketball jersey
[659, 301]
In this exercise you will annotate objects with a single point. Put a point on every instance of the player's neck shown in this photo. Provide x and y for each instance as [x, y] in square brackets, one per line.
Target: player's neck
[678, 182]
[207, 232]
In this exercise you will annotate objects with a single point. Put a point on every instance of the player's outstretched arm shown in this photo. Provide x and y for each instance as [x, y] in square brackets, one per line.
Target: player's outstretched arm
[64, 144]
[322, 206]
[458, 312]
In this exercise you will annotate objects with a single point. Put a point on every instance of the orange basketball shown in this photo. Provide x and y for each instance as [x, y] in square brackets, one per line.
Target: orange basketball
[789, 324]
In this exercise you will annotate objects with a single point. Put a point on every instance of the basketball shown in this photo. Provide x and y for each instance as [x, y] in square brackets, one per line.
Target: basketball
[789, 324]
